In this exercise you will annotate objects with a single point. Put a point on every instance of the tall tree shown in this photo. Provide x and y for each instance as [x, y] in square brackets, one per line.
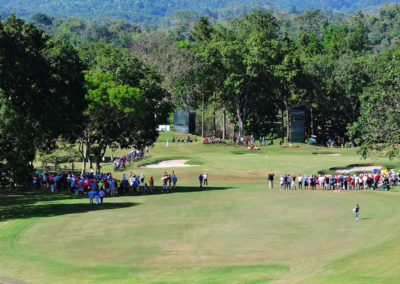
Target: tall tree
[42, 94]
[378, 126]
[126, 102]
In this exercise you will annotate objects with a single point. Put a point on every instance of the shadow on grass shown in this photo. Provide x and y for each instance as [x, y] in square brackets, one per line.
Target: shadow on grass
[11, 198]
[42, 203]
[181, 189]
[22, 211]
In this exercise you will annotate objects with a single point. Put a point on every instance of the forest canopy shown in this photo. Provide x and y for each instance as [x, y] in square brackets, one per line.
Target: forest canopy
[243, 76]
[154, 12]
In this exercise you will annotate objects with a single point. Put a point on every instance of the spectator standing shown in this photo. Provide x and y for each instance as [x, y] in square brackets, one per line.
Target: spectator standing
[294, 182]
[97, 195]
[271, 180]
[169, 182]
[205, 179]
[101, 195]
[174, 181]
[91, 196]
[201, 180]
[165, 182]
[151, 184]
[300, 180]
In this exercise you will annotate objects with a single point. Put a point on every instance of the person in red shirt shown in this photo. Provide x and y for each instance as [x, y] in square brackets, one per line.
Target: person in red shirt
[349, 182]
[151, 184]
[165, 183]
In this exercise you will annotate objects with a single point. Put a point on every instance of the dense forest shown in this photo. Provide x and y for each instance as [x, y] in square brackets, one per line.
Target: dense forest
[151, 12]
[381, 29]
[109, 83]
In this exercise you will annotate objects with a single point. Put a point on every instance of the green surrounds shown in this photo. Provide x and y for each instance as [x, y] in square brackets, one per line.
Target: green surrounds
[236, 231]
[59, 271]
[377, 265]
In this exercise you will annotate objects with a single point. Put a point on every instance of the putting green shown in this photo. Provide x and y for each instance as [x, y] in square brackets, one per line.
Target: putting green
[237, 231]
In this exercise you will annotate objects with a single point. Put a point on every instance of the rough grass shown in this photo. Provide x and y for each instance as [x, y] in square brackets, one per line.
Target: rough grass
[236, 231]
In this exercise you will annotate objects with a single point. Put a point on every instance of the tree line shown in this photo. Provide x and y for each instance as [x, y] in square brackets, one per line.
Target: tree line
[114, 88]
[94, 96]
[158, 12]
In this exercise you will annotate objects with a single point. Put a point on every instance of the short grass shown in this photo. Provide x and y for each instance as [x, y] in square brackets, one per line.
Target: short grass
[236, 231]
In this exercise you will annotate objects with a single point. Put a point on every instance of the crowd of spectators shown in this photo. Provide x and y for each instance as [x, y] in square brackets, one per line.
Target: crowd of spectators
[375, 180]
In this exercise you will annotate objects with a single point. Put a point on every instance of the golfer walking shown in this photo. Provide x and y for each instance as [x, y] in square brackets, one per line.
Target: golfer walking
[356, 211]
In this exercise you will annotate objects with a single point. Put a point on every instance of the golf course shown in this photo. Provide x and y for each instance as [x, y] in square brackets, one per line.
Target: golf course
[235, 230]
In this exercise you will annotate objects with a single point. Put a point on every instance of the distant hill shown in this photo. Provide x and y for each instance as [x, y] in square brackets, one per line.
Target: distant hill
[151, 12]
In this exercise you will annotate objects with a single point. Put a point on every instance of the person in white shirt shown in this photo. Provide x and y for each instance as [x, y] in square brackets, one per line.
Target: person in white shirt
[321, 182]
[205, 179]
[365, 178]
[300, 180]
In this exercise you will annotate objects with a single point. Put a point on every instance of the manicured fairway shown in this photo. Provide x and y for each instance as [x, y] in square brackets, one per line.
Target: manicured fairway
[237, 231]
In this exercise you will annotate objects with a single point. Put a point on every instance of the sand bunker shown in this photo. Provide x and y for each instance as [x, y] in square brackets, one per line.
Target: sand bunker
[168, 164]
[357, 169]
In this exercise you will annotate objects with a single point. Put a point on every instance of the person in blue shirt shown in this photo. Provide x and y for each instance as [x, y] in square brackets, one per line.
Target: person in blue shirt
[201, 180]
[113, 187]
[341, 182]
[174, 181]
[137, 184]
[306, 182]
[91, 196]
[72, 185]
[96, 195]
[331, 183]
[101, 195]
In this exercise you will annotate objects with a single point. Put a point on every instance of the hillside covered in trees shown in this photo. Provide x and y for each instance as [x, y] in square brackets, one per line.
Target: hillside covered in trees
[241, 76]
[150, 12]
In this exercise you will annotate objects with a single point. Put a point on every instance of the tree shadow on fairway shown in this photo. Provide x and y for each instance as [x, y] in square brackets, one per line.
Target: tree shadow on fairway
[34, 196]
[23, 211]
[183, 189]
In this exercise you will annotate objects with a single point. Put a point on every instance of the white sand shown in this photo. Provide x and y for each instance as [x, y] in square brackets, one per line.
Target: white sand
[168, 164]
[357, 169]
